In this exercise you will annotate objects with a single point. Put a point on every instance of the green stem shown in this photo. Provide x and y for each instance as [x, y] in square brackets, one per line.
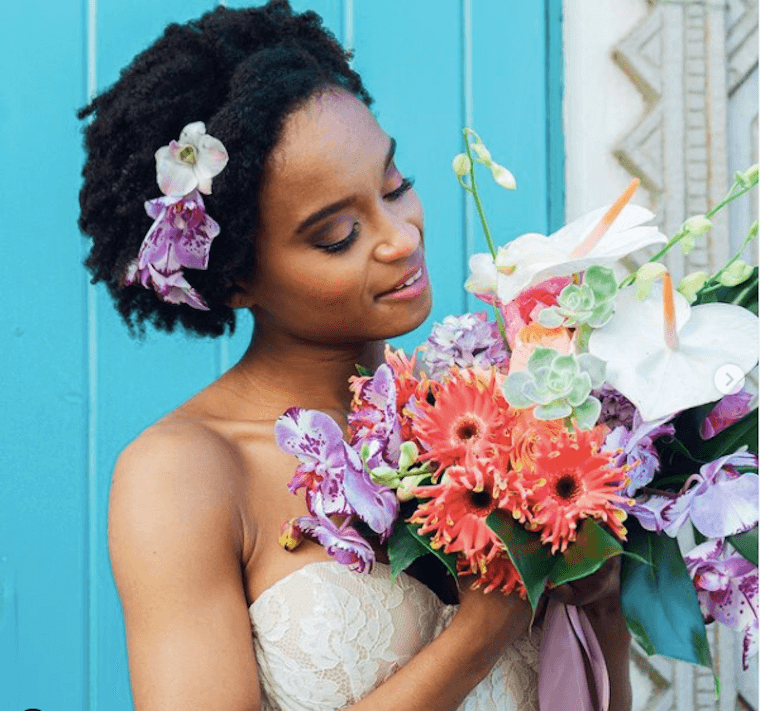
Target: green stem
[736, 190]
[750, 236]
[473, 190]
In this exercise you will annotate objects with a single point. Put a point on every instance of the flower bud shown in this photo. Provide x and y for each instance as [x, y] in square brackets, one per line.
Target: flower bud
[646, 276]
[483, 153]
[691, 284]
[697, 225]
[750, 175]
[687, 243]
[290, 535]
[461, 164]
[736, 273]
[503, 177]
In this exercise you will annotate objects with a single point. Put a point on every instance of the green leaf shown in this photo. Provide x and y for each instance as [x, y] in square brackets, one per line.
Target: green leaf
[746, 544]
[403, 549]
[659, 601]
[448, 559]
[531, 558]
[364, 371]
[593, 545]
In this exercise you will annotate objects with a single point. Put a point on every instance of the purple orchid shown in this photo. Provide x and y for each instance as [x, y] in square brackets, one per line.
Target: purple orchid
[344, 543]
[722, 502]
[617, 409]
[638, 449]
[180, 236]
[728, 410]
[376, 424]
[727, 586]
[467, 341]
[332, 472]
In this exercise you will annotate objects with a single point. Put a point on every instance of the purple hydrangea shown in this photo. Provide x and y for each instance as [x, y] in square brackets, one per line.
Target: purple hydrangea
[617, 409]
[467, 341]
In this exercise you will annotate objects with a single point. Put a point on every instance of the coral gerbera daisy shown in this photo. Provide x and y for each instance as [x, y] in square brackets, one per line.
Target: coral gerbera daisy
[526, 432]
[457, 511]
[493, 571]
[580, 482]
[467, 420]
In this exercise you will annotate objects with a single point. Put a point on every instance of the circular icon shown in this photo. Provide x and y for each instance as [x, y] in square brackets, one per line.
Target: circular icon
[729, 379]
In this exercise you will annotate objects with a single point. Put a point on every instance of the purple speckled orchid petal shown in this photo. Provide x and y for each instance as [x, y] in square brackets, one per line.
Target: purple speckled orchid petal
[740, 458]
[317, 440]
[727, 589]
[156, 207]
[375, 504]
[728, 410]
[175, 289]
[344, 544]
[660, 513]
[726, 507]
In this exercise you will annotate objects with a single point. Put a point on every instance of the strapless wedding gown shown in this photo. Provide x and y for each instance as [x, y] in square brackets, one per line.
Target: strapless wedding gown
[325, 636]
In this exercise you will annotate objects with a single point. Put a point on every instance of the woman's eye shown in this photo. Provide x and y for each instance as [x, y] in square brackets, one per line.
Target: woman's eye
[406, 185]
[345, 243]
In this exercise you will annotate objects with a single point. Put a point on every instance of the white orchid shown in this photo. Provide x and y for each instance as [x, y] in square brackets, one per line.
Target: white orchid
[600, 237]
[664, 358]
[191, 162]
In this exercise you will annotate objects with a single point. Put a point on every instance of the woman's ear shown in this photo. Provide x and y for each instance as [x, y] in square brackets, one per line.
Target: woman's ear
[243, 296]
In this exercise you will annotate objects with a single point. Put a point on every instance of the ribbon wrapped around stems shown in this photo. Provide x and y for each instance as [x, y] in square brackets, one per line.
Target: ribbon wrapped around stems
[562, 680]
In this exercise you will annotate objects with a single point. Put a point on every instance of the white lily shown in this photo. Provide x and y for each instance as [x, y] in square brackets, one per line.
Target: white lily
[663, 354]
[191, 162]
[601, 237]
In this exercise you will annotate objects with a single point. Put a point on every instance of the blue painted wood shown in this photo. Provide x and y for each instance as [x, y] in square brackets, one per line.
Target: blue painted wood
[412, 69]
[42, 373]
[80, 389]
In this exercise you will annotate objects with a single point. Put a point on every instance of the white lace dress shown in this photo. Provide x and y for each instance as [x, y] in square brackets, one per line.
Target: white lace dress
[324, 637]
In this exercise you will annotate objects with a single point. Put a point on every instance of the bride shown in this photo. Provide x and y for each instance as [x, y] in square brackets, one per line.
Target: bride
[311, 226]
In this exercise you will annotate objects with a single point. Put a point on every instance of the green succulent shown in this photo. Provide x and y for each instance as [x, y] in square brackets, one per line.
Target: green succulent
[592, 303]
[558, 385]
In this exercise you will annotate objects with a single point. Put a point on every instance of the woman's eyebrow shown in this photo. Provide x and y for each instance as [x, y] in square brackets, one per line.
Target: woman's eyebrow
[334, 207]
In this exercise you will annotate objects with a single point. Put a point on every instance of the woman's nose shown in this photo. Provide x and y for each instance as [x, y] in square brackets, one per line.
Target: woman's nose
[399, 239]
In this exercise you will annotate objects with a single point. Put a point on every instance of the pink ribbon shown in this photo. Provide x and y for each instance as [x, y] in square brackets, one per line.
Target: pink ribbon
[562, 680]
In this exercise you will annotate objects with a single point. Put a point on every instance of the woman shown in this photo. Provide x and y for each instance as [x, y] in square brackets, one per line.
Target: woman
[322, 239]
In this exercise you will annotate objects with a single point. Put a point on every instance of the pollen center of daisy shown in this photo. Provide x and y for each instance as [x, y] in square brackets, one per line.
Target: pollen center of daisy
[467, 428]
[481, 499]
[566, 487]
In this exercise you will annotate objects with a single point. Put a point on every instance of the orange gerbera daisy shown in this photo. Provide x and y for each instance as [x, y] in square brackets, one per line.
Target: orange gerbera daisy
[575, 481]
[526, 432]
[493, 571]
[457, 511]
[467, 420]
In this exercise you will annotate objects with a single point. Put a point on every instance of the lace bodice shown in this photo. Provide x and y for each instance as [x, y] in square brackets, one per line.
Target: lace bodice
[324, 637]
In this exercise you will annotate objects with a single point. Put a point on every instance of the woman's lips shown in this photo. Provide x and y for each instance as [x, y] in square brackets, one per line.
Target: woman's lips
[413, 284]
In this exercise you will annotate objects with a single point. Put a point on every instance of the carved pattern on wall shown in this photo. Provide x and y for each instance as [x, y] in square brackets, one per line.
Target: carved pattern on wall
[686, 58]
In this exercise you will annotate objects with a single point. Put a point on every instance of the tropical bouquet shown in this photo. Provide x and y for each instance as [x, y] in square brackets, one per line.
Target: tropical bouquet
[597, 414]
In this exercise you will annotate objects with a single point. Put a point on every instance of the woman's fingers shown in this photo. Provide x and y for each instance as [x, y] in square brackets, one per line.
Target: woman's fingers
[604, 583]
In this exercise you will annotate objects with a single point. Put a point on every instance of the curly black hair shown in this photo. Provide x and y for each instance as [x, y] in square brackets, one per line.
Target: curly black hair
[242, 72]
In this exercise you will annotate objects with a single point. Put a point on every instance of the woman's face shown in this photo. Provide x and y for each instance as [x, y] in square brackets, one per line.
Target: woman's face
[341, 231]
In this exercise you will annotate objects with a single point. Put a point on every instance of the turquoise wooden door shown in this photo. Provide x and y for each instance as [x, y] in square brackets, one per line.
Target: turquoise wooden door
[76, 389]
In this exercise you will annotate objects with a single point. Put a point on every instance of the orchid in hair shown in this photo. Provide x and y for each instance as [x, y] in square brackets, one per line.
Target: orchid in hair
[181, 233]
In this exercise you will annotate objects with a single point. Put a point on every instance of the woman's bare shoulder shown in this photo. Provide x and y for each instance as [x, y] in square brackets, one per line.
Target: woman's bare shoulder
[178, 473]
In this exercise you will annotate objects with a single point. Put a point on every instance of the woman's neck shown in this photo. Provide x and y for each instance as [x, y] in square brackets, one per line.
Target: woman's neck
[274, 375]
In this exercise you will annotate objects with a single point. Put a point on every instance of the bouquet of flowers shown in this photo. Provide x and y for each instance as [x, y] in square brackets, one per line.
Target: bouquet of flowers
[594, 416]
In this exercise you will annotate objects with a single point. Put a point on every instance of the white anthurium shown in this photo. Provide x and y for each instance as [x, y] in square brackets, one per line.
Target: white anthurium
[191, 162]
[664, 358]
[600, 237]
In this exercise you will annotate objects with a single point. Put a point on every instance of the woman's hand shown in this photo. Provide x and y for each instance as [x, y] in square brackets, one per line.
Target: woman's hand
[600, 589]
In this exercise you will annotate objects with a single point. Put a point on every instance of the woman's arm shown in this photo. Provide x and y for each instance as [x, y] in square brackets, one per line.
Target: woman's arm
[175, 540]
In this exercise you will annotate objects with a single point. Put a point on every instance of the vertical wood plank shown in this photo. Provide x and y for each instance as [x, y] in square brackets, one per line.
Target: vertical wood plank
[42, 328]
[409, 57]
[510, 113]
[136, 382]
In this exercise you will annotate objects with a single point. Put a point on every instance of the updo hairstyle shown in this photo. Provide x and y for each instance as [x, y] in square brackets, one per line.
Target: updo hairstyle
[242, 72]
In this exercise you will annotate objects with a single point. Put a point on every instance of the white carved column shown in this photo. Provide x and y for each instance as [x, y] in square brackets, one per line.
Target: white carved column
[667, 91]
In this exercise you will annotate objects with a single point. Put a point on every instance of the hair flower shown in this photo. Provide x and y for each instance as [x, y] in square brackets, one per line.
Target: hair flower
[191, 162]
[181, 233]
